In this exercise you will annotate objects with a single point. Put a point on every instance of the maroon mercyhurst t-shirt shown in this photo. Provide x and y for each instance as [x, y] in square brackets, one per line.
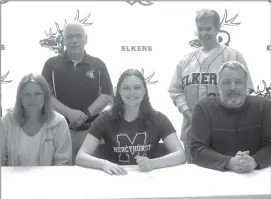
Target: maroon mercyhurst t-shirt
[125, 140]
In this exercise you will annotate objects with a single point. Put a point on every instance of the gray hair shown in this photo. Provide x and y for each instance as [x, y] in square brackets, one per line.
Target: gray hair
[206, 13]
[235, 65]
[74, 23]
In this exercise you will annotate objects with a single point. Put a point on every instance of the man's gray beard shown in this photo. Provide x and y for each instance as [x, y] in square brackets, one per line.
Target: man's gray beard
[224, 102]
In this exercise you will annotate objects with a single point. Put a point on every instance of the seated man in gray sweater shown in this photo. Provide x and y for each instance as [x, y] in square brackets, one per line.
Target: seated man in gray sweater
[232, 131]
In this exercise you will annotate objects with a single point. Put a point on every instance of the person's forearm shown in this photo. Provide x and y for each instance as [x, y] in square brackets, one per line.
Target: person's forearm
[209, 158]
[86, 160]
[99, 104]
[171, 159]
[179, 101]
[59, 107]
[263, 157]
[63, 145]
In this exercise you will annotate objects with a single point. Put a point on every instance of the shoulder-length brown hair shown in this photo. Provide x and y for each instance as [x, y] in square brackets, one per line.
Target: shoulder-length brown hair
[47, 110]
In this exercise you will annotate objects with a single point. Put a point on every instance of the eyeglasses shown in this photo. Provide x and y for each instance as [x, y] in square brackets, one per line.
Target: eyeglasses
[76, 36]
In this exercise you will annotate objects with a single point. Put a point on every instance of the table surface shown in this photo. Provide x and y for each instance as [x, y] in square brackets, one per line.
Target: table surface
[182, 181]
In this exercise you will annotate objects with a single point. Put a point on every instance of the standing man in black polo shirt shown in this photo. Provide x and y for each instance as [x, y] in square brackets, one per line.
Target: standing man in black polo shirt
[80, 83]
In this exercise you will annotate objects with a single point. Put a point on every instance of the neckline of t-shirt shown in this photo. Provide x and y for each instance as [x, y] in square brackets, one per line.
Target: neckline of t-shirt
[29, 136]
[130, 122]
[208, 53]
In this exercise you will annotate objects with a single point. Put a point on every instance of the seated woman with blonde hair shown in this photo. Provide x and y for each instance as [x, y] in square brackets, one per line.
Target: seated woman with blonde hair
[33, 134]
[131, 130]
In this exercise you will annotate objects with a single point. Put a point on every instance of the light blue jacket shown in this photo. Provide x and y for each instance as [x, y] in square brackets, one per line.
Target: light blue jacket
[55, 148]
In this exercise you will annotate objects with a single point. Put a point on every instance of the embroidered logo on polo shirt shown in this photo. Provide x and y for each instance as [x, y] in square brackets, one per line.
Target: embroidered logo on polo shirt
[90, 74]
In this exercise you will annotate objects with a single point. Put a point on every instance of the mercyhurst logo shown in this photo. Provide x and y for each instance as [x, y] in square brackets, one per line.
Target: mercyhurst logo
[130, 148]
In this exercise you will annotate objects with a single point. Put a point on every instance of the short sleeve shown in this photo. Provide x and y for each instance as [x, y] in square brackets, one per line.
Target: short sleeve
[98, 127]
[105, 84]
[47, 73]
[165, 126]
[241, 59]
[175, 84]
[234, 55]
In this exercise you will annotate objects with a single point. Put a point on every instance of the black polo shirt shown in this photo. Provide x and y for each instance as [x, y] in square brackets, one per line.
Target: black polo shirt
[77, 87]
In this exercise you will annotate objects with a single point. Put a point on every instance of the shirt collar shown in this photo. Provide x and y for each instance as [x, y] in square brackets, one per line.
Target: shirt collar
[67, 60]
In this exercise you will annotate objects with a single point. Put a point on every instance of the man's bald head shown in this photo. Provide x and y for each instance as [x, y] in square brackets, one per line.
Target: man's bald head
[74, 25]
[75, 39]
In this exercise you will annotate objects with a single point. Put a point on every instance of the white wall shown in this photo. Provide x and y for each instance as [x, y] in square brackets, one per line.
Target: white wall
[166, 26]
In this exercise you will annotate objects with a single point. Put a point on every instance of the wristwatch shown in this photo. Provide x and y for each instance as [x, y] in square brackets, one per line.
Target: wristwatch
[86, 111]
[87, 123]
[90, 117]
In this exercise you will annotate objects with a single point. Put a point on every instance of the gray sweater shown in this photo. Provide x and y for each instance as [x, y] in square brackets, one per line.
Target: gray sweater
[218, 132]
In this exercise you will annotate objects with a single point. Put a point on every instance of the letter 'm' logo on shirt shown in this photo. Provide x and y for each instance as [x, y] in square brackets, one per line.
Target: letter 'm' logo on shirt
[129, 148]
